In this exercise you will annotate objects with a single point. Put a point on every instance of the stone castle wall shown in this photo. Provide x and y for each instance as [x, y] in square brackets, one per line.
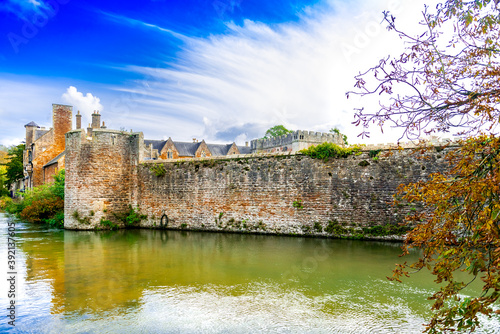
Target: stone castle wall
[281, 194]
[100, 175]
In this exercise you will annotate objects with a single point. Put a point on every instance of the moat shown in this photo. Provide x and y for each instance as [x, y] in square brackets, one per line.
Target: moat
[157, 281]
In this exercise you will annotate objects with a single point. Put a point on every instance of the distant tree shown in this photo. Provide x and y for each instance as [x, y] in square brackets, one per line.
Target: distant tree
[343, 136]
[14, 165]
[3, 171]
[276, 131]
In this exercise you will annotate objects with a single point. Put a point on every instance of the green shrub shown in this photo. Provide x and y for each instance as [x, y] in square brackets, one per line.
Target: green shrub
[158, 169]
[42, 204]
[329, 150]
[374, 153]
[57, 220]
[334, 227]
[108, 223]
[131, 217]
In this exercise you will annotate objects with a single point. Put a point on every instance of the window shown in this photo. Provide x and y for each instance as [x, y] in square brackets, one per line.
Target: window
[203, 154]
[170, 154]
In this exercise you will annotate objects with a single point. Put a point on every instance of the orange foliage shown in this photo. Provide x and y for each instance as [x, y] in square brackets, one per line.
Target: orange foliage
[460, 231]
[41, 210]
[448, 80]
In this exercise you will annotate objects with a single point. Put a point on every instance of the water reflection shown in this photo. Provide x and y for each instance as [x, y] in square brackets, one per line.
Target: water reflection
[165, 282]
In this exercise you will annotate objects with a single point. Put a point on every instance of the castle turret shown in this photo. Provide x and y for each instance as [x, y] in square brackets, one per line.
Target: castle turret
[30, 132]
[78, 120]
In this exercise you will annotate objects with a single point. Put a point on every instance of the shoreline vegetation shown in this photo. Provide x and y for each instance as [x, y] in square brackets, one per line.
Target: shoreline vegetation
[42, 204]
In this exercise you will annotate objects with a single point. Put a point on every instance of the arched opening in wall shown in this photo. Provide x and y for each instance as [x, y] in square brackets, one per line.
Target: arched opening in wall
[164, 221]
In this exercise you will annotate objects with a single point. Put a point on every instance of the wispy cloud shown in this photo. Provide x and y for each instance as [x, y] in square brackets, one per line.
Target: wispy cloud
[24, 9]
[134, 22]
[254, 76]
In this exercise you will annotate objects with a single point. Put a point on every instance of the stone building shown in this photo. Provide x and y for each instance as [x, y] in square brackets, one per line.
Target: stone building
[294, 142]
[169, 149]
[44, 152]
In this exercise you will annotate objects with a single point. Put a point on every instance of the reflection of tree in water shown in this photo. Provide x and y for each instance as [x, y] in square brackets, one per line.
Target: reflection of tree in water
[45, 261]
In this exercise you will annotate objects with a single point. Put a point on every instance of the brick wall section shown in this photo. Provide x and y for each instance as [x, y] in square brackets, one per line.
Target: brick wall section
[44, 151]
[62, 123]
[100, 174]
[49, 173]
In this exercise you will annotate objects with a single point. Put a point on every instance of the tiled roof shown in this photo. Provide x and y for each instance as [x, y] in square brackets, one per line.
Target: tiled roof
[219, 149]
[244, 149]
[186, 149]
[53, 161]
[157, 144]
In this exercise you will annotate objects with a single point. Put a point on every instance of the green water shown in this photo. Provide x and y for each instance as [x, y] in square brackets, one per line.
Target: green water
[147, 281]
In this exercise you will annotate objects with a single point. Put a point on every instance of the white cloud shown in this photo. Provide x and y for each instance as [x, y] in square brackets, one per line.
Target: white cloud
[238, 84]
[86, 104]
[25, 9]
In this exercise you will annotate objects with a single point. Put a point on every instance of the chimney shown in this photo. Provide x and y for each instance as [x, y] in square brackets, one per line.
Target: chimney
[103, 125]
[194, 140]
[246, 144]
[62, 122]
[89, 131]
[96, 120]
[78, 120]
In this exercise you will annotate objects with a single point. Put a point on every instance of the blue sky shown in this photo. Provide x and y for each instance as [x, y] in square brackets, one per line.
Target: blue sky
[219, 70]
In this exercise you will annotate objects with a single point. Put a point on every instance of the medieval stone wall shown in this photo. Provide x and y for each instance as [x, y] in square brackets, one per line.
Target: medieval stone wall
[289, 194]
[282, 194]
[100, 175]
